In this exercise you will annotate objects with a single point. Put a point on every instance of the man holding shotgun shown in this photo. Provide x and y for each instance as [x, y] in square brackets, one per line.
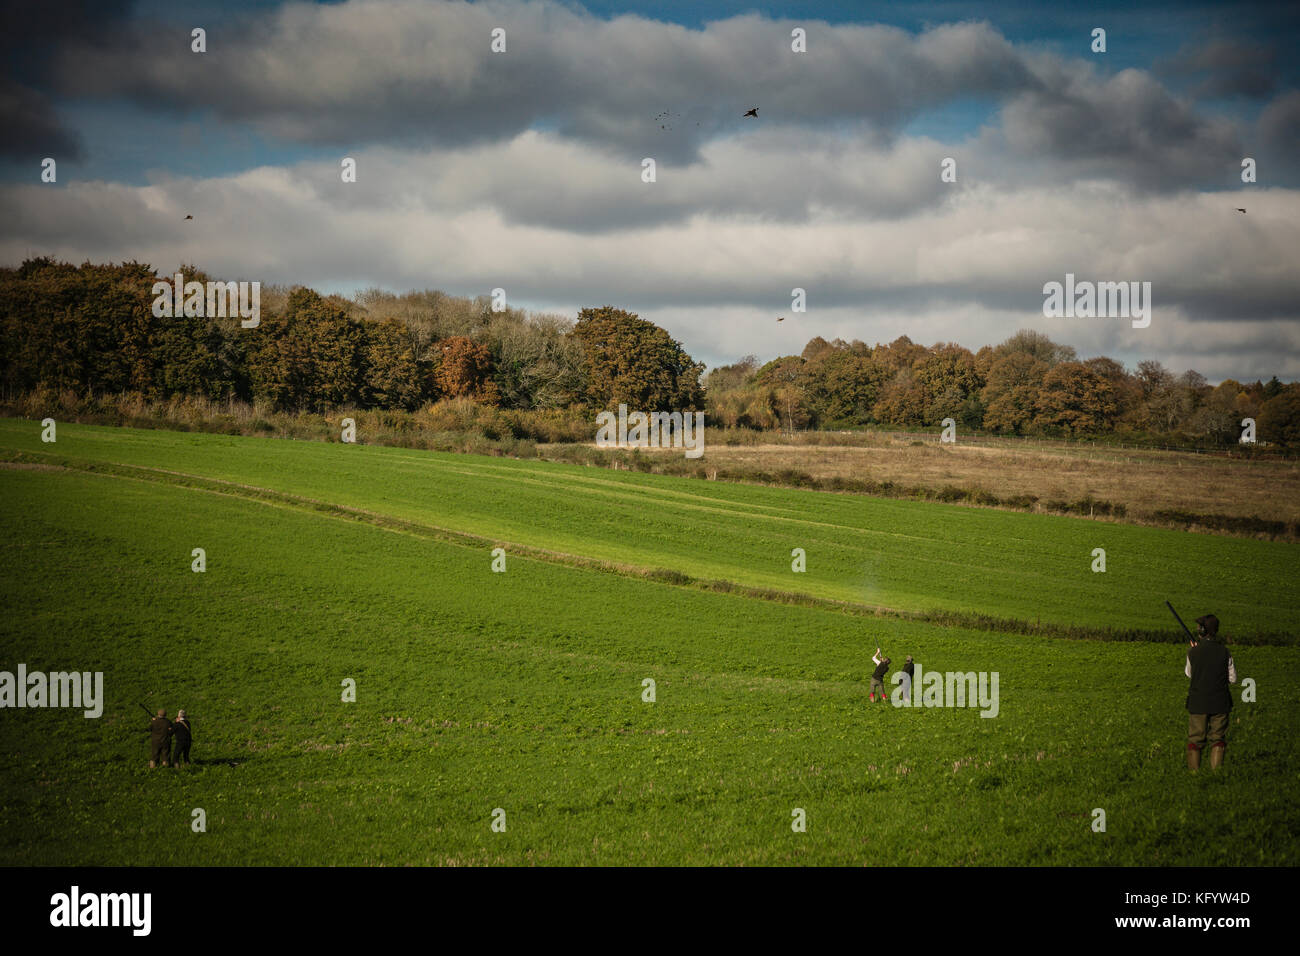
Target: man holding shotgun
[1210, 669]
[160, 738]
[878, 675]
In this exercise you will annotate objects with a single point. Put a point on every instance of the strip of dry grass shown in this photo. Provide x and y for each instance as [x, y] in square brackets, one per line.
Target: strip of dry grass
[1144, 481]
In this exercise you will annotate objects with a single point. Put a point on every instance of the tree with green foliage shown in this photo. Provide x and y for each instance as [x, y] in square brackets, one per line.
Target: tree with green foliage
[393, 377]
[951, 384]
[87, 328]
[1037, 345]
[782, 378]
[539, 363]
[634, 361]
[836, 382]
[310, 357]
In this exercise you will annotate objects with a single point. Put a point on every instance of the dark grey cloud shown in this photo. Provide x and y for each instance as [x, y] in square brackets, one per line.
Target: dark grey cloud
[31, 34]
[1125, 126]
[385, 71]
[1279, 126]
[1225, 67]
[30, 128]
[414, 73]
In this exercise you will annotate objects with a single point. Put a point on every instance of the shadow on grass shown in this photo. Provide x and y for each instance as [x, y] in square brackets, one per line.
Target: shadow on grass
[199, 763]
[217, 762]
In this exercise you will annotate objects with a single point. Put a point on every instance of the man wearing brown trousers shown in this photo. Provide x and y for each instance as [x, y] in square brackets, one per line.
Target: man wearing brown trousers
[1211, 670]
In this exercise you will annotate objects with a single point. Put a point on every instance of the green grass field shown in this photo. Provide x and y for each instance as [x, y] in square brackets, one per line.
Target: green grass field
[523, 690]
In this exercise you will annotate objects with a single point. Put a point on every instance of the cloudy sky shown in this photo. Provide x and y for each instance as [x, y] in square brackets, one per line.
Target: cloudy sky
[522, 169]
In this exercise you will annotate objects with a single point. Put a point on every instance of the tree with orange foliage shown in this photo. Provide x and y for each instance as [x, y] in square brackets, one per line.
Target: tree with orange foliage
[464, 369]
[1075, 400]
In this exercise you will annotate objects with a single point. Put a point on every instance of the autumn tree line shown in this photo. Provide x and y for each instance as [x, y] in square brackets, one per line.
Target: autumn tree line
[91, 329]
[1027, 385]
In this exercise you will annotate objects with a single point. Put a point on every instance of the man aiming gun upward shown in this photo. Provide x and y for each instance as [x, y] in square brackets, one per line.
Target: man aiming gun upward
[878, 676]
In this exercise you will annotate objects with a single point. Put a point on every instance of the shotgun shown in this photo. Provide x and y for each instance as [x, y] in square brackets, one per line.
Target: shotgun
[1179, 620]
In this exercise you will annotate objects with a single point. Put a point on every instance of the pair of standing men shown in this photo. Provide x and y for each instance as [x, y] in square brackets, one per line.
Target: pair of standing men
[882, 668]
[162, 732]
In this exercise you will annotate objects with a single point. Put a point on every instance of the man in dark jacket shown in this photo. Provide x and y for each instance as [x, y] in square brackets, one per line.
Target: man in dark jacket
[160, 736]
[182, 734]
[905, 688]
[1211, 670]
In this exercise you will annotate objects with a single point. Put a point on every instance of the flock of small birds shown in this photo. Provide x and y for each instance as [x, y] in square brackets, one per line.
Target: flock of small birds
[667, 118]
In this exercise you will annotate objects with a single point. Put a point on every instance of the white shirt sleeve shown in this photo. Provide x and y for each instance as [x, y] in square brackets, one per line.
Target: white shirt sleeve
[1188, 669]
[875, 659]
[1232, 671]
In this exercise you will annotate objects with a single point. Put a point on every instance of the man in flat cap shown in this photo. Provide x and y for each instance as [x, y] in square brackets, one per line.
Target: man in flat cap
[1211, 670]
[160, 739]
[905, 687]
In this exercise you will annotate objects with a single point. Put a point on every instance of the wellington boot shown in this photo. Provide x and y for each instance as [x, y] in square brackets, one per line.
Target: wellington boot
[1193, 758]
[1216, 757]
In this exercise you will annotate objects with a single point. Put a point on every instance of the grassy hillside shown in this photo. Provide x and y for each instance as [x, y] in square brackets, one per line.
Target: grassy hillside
[878, 552]
[523, 690]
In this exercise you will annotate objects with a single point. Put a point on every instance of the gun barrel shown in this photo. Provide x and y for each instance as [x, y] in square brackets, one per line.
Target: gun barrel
[1179, 619]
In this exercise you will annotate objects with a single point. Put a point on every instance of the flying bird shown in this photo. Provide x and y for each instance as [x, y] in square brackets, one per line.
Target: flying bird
[753, 112]
[1239, 209]
[189, 217]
